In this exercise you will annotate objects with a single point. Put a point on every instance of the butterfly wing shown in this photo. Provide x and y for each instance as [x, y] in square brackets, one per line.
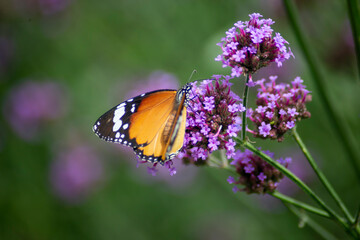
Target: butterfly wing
[140, 122]
[168, 140]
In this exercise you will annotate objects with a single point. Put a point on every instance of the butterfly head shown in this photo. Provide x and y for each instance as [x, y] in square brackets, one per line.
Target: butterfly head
[186, 89]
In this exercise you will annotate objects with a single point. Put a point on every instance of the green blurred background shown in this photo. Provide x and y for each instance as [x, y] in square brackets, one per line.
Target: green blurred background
[59, 181]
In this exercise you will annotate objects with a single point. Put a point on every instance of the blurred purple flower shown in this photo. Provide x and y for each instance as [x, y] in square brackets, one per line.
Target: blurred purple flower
[184, 177]
[250, 45]
[31, 104]
[300, 167]
[75, 173]
[45, 7]
[157, 80]
[50, 7]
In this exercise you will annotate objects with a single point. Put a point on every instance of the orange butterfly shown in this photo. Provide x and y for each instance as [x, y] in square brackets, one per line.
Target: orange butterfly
[153, 124]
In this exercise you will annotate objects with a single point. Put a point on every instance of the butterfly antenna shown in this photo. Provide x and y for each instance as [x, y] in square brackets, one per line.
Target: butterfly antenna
[191, 75]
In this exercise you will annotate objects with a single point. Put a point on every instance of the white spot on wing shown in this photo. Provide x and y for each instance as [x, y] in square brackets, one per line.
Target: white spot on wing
[125, 126]
[118, 114]
[117, 126]
[132, 108]
[117, 135]
[130, 100]
[121, 105]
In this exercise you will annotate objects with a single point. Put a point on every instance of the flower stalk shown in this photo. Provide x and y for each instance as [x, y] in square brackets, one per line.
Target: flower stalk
[300, 204]
[305, 219]
[354, 15]
[302, 185]
[342, 131]
[245, 97]
[357, 220]
[321, 176]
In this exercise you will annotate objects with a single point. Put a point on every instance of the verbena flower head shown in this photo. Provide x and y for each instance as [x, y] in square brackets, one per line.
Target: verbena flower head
[254, 174]
[279, 107]
[212, 120]
[251, 45]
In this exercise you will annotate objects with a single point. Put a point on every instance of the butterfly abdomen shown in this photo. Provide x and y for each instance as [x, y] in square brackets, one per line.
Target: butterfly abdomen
[168, 127]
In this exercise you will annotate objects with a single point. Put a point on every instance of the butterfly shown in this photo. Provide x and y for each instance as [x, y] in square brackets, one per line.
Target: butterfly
[153, 124]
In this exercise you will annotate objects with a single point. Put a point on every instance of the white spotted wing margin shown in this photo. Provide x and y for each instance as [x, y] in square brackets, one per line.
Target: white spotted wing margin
[114, 125]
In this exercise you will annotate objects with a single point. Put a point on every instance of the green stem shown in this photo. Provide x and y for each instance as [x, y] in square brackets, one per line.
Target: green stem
[357, 220]
[301, 184]
[344, 134]
[353, 11]
[214, 161]
[314, 225]
[245, 97]
[299, 204]
[322, 177]
[248, 205]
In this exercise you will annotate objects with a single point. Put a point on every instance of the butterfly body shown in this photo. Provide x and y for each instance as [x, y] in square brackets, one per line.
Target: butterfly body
[153, 124]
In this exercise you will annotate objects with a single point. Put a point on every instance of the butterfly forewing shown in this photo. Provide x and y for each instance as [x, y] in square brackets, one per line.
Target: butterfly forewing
[152, 114]
[113, 126]
[137, 122]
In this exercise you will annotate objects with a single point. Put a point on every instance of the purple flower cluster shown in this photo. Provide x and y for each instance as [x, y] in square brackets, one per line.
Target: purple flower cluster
[255, 175]
[212, 120]
[279, 106]
[32, 104]
[250, 45]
